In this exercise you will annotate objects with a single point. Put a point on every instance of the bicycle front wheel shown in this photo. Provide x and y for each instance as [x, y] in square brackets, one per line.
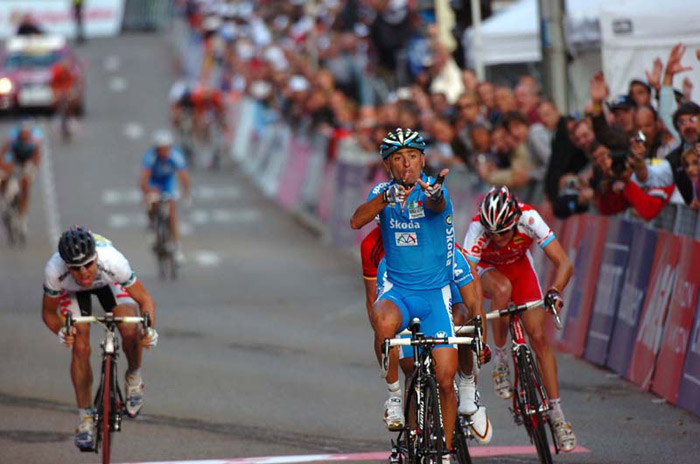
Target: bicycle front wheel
[533, 418]
[460, 442]
[105, 428]
[432, 435]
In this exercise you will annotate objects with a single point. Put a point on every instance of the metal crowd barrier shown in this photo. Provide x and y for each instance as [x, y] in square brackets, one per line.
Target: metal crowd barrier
[147, 15]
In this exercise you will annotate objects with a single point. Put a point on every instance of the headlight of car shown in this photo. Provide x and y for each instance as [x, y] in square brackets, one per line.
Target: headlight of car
[5, 85]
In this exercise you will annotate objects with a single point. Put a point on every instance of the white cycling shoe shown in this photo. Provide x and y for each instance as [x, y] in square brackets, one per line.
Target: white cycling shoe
[393, 413]
[481, 426]
[134, 396]
[468, 398]
[85, 433]
[566, 440]
[501, 381]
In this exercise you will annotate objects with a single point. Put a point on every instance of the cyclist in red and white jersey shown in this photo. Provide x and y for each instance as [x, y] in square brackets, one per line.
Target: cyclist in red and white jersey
[497, 246]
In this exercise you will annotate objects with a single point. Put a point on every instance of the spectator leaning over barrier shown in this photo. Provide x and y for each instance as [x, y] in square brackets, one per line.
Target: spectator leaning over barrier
[658, 141]
[620, 189]
[565, 158]
[687, 121]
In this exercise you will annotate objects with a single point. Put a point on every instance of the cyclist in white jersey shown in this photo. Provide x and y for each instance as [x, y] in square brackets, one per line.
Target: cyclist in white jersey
[87, 265]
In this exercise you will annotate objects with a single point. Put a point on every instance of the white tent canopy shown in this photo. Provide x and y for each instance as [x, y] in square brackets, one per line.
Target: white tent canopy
[513, 35]
[635, 32]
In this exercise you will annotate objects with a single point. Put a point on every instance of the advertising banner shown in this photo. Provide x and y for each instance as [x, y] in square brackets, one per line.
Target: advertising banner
[100, 18]
[689, 390]
[634, 287]
[572, 231]
[292, 177]
[577, 310]
[648, 339]
[679, 321]
[608, 290]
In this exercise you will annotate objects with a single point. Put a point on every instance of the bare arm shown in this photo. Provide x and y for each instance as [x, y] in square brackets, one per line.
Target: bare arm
[184, 177]
[49, 313]
[146, 305]
[565, 269]
[143, 181]
[367, 211]
[473, 298]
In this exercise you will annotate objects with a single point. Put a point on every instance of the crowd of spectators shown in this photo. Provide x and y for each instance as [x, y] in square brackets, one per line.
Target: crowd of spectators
[356, 69]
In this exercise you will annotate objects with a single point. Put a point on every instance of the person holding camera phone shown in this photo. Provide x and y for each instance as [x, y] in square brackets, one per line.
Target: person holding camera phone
[620, 187]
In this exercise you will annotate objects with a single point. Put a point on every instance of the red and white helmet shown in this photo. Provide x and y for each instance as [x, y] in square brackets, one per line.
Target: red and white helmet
[499, 210]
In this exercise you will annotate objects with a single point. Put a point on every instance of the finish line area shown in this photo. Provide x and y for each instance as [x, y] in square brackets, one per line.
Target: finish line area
[476, 452]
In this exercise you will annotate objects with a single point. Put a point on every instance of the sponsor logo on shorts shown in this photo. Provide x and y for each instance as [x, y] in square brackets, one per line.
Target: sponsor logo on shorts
[441, 334]
[406, 238]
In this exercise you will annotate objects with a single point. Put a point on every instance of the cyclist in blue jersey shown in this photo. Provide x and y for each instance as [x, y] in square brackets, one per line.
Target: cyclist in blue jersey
[162, 166]
[21, 153]
[415, 218]
[466, 304]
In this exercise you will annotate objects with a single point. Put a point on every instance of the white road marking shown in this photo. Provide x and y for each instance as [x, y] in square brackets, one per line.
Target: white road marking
[133, 130]
[132, 195]
[48, 185]
[121, 221]
[117, 84]
[199, 217]
[186, 229]
[206, 258]
[111, 63]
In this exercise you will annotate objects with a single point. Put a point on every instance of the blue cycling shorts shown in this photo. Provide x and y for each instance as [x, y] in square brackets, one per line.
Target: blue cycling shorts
[432, 307]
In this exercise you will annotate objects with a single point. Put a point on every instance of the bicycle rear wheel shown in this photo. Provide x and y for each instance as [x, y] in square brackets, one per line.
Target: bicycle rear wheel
[107, 409]
[432, 435]
[533, 418]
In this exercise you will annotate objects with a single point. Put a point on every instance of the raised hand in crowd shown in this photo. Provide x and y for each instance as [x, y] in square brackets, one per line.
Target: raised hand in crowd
[654, 77]
[687, 89]
[674, 66]
[599, 91]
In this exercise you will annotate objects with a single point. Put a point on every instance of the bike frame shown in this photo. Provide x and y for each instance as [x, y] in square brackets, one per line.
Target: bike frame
[109, 401]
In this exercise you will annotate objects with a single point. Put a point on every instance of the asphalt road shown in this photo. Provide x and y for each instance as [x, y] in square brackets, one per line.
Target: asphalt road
[265, 347]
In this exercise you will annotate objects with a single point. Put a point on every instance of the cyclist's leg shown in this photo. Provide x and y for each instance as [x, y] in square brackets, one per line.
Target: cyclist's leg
[499, 289]
[439, 323]
[25, 187]
[126, 306]
[174, 229]
[80, 369]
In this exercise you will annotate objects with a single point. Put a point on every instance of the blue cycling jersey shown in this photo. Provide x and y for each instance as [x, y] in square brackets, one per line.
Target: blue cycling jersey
[21, 152]
[163, 170]
[418, 243]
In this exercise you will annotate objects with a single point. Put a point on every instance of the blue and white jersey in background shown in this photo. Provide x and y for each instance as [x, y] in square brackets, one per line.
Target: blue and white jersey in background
[163, 171]
[418, 243]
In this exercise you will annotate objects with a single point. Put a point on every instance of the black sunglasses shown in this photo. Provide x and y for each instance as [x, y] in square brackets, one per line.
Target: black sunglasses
[77, 267]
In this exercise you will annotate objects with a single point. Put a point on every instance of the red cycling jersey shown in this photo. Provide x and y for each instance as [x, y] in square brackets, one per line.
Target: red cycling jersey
[372, 251]
[513, 260]
[530, 228]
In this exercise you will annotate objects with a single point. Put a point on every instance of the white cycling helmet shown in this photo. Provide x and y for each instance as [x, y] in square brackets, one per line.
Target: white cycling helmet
[162, 138]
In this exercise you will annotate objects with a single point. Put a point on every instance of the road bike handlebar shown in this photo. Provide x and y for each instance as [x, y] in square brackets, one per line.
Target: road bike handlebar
[513, 309]
[109, 317]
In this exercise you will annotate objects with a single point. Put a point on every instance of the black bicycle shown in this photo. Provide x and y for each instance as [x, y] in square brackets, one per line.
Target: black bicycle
[530, 401]
[109, 405]
[422, 440]
[164, 247]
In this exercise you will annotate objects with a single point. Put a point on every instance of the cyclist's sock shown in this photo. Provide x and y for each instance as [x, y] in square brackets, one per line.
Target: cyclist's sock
[557, 412]
[84, 413]
[501, 354]
[466, 379]
[394, 389]
[134, 376]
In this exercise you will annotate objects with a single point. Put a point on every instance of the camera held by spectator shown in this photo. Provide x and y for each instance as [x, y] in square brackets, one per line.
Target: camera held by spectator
[575, 195]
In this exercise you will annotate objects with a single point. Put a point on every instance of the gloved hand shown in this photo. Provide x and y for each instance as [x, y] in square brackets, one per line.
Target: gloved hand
[396, 193]
[553, 299]
[152, 334]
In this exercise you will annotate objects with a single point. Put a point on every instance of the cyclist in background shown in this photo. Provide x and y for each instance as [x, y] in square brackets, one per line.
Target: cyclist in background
[87, 264]
[161, 165]
[497, 246]
[63, 81]
[21, 153]
[415, 217]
